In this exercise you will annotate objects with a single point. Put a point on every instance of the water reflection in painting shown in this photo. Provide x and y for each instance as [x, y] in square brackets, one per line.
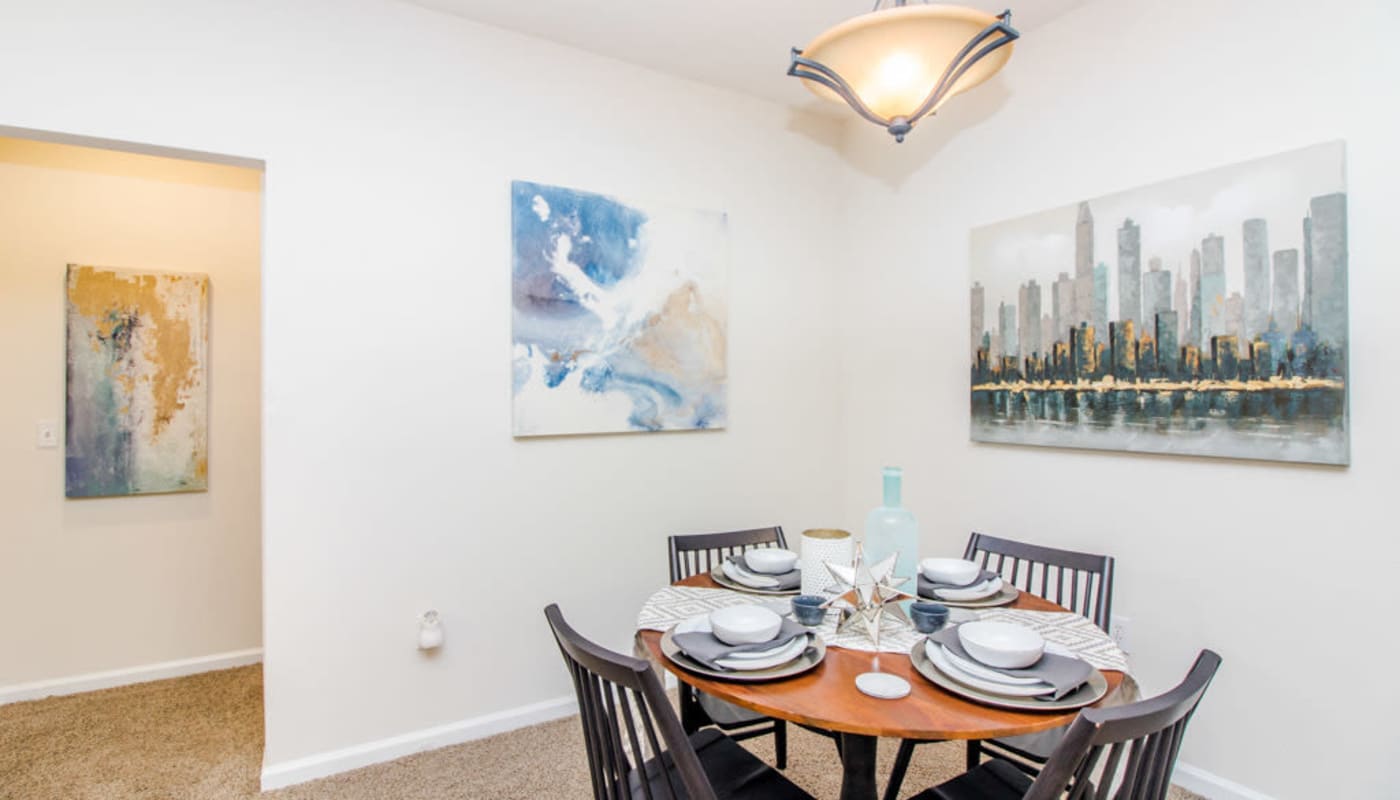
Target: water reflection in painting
[1230, 339]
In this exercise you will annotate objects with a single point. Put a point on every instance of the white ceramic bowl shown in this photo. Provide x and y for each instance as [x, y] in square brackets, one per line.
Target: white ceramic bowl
[949, 570]
[770, 560]
[745, 624]
[1001, 644]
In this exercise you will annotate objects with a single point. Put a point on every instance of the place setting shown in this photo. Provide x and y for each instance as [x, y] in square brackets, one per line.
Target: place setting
[1004, 664]
[963, 584]
[747, 642]
[761, 570]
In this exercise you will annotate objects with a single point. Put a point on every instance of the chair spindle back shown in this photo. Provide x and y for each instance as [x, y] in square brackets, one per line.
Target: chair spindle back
[629, 728]
[694, 553]
[1148, 733]
[1081, 582]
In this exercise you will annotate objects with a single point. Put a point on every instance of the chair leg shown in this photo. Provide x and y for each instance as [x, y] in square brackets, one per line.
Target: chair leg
[901, 766]
[692, 716]
[780, 743]
[974, 753]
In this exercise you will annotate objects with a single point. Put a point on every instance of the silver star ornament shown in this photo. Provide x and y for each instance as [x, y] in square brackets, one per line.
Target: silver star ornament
[871, 592]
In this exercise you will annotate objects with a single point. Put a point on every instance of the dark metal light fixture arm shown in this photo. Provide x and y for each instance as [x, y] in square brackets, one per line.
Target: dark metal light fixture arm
[969, 55]
[961, 63]
[818, 72]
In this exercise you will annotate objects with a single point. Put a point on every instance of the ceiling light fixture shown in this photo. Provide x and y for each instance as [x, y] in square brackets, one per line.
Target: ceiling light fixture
[900, 63]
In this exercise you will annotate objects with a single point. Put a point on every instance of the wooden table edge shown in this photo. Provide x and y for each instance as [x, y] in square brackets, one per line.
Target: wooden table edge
[751, 696]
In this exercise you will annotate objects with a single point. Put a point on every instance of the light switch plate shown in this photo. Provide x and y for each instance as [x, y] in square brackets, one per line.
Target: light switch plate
[48, 433]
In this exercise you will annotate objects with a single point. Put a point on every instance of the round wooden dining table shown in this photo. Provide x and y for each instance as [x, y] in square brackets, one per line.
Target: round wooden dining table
[826, 698]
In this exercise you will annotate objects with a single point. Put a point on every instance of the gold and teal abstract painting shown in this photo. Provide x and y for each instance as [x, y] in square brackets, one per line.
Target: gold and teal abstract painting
[137, 416]
[1204, 316]
[619, 319]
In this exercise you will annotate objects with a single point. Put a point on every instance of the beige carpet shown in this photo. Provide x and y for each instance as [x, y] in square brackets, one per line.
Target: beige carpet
[200, 738]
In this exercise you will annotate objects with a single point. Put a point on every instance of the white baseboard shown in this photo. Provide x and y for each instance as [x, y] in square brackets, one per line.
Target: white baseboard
[1211, 786]
[93, 681]
[300, 770]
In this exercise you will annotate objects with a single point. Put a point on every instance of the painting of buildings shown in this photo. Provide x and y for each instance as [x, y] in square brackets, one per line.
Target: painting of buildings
[137, 395]
[619, 318]
[1227, 334]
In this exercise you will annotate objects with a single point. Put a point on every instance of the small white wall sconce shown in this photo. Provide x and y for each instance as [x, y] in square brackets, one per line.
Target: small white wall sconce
[429, 630]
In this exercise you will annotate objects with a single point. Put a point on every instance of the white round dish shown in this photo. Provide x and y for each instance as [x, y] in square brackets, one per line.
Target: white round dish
[770, 560]
[956, 571]
[1001, 644]
[978, 591]
[939, 657]
[747, 577]
[744, 624]
[727, 577]
[809, 658]
[1088, 694]
[986, 673]
[747, 662]
[882, 685]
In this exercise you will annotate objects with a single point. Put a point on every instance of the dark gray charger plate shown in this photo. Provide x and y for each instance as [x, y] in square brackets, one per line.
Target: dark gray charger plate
[812, 656]
[1091, 692]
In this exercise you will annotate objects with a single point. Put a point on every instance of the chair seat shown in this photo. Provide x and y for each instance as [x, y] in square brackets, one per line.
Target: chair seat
[733, 772]
[724, 713]
[1032, 746]
[995, 780]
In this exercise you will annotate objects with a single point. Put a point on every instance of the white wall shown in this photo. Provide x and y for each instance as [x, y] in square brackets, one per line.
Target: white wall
[1272, 565]
[391, 482]
[106, 584]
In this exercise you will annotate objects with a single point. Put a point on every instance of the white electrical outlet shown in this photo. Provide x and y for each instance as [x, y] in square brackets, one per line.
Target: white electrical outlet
[1119, 628]
[48, 433]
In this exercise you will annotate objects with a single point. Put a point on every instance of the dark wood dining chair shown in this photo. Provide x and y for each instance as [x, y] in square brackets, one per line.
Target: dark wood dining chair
[1080, 582]
[1149, 733]
[636, 747]
[695, 553]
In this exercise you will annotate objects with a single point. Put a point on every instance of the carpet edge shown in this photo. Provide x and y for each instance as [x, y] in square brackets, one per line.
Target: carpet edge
[142, 673]
[332, 762]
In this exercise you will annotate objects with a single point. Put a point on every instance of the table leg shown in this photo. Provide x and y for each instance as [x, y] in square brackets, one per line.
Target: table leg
[858, 766]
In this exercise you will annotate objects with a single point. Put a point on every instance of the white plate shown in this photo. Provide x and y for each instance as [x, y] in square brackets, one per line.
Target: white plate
[1006, 596]
[981, 591]
[1091, 692]
[882, 685]
[978, 671]
[811, 657]
[935, 654]
[700, 623]
[788, 652]
[750, 579]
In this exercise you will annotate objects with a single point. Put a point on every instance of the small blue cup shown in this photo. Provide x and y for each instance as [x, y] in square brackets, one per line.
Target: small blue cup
[807, 609]
[928, 617]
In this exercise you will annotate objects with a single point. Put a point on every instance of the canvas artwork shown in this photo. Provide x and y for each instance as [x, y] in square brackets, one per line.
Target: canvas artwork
[1206, 316]
[137, 419]
[619, 318]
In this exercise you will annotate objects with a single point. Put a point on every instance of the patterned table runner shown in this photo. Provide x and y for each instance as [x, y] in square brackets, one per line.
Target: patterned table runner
[674, 604]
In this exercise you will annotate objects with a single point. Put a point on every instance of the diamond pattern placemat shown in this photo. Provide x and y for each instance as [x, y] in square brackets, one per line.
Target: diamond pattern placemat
[1067, 629]
[674, 604]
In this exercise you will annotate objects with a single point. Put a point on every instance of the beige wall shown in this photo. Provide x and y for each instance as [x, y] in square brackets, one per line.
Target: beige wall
[391, 482]
[116, 583]
[1235, 555]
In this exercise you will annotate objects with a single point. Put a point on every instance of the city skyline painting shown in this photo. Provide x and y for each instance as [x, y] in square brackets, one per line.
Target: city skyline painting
[619, 314]
[1205, 315]
[137, 394]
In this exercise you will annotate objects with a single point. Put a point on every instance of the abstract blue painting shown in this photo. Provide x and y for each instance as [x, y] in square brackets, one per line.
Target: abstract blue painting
[619, 317]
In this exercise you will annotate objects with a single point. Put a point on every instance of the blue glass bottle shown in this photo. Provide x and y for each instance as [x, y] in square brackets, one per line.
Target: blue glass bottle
[891, 528]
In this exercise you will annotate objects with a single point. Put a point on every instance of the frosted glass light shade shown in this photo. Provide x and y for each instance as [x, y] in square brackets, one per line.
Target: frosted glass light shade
[893, 59]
